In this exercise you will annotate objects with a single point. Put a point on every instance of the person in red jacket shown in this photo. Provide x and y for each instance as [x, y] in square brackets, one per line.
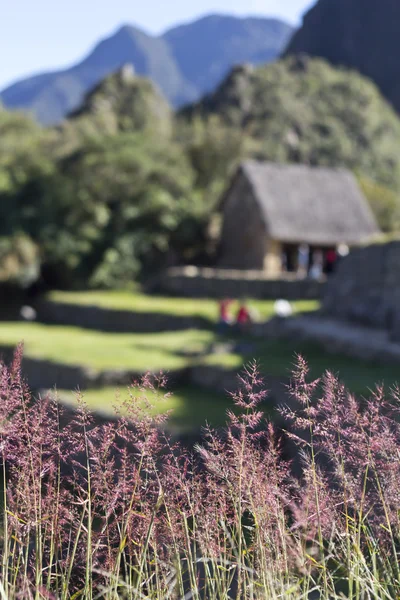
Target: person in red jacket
[243, 318]
[330, 261]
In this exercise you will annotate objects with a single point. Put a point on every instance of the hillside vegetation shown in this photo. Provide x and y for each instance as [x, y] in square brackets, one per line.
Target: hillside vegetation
[124, 188]
[125, 102]
[303, 110]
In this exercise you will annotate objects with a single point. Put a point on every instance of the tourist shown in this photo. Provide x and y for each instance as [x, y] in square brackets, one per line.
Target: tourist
[317, 268]
[330, 261]
[284, 261]
[225, 318]
[343, 251]
[283, 309]
[303, 260]
[243, 318]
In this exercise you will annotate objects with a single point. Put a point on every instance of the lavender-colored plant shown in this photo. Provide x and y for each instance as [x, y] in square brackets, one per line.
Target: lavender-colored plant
[116, 510]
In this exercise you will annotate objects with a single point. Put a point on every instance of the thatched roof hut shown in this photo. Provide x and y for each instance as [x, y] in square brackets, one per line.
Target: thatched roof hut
[269, 207]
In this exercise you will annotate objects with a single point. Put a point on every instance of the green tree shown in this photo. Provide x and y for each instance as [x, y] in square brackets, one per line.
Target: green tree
[19, 261]
[24, 157]
[22, 151]
[112, 210]
[385, 204]
[303, 110]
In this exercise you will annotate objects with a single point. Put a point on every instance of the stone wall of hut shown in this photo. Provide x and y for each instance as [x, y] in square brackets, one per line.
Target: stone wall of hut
[243, 239]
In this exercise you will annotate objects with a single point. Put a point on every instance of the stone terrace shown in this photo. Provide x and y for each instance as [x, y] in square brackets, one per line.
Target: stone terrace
[198, 282]
[366, 288]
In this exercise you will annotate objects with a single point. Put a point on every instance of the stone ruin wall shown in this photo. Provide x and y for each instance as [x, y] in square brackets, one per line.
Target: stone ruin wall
[198, 282]
[366, 288]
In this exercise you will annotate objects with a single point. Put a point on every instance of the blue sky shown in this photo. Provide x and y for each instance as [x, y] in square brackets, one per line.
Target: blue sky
[37, 35]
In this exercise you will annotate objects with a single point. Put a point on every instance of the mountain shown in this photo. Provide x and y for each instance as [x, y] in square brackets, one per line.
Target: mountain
[207, 49]
[303, 110]
[359, 34]
[124, 102]
[185, 62]
[51, 96]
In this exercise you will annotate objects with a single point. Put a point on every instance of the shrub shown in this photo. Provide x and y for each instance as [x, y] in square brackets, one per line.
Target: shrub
[384, 202]
[114, 510]
[19, 261]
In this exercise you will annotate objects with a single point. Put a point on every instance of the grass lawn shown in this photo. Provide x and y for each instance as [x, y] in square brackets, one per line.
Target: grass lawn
[277, 357]
[175, 350]
[138, 302]
[98, 350]
[190, 407]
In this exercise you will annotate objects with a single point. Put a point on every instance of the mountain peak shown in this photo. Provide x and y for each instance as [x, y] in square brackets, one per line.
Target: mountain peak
[130, 31]
[185, 63]
[224, 18]
[125, 102]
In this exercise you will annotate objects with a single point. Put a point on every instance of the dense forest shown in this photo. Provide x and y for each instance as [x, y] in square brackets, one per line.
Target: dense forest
[125, 186]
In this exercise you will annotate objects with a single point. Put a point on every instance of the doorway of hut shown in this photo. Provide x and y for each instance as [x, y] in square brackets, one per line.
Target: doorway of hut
[290, 258]
[304, 259]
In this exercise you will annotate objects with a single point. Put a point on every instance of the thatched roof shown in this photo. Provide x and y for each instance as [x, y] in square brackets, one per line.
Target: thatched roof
[315, 205]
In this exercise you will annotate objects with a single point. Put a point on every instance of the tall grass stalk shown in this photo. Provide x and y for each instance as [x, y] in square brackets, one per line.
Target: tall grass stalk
[109, 510]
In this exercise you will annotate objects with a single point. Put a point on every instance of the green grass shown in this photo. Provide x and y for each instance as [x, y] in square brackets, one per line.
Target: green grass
[192, 407]
[138, 302]
[189, 407]
[277, 358]
[176, 350]
[75, 346]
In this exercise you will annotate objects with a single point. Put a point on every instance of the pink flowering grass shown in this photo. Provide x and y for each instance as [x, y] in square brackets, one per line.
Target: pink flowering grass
[115, 510]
